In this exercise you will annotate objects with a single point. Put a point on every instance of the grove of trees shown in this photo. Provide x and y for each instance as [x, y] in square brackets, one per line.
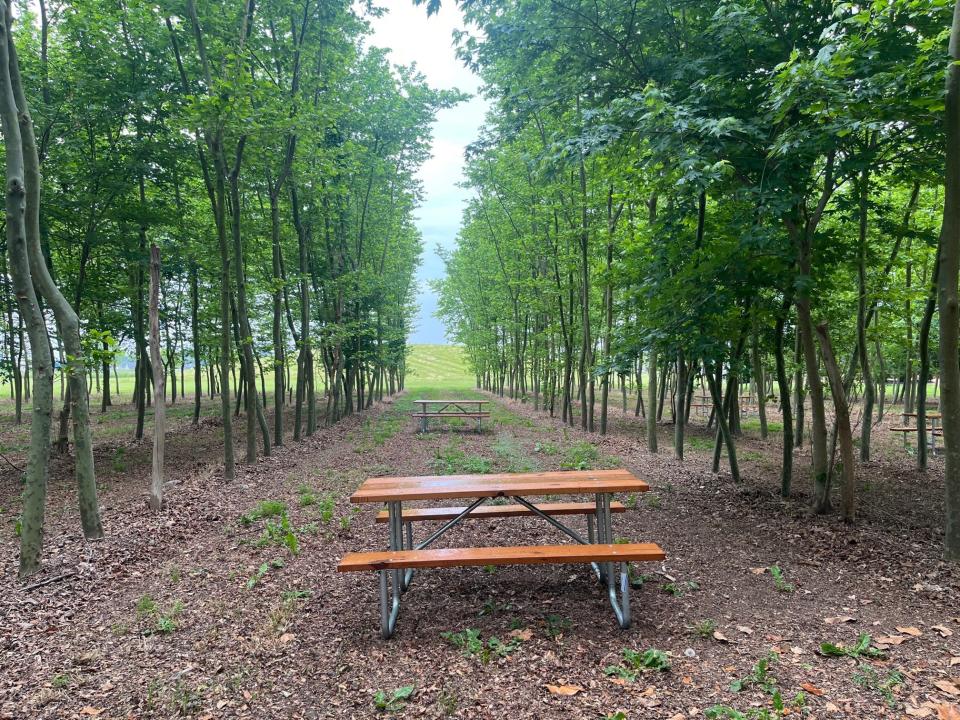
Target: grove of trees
[270, 157]
[704, 194]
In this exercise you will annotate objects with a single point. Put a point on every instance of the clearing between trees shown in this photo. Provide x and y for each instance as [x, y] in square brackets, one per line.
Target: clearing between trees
[226, 604]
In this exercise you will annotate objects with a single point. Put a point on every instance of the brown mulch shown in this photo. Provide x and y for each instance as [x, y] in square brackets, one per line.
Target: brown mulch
[79, 647]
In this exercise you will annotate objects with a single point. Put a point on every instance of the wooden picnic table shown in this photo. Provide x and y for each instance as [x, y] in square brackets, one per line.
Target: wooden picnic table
[599, 548]
[439, 409]
[933, 417]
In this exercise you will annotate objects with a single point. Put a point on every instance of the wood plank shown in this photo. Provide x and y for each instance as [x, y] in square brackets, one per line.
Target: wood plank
[451, 402]
[517, 555]
[436, 487]
[498, 511]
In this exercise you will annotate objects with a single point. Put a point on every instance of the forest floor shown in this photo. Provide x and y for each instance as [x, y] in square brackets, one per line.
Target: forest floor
[202, 611]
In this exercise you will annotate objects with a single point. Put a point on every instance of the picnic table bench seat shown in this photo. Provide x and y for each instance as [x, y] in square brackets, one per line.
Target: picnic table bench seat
[501, 555]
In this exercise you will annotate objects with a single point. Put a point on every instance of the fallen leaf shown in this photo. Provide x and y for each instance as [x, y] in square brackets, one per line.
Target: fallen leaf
[758, 571]
[247, 695]
[524, 635]
[890, 639]
[920, 712]
[686, 680]
[943, 630]
[564, 689]
[812, 689]
[948, 711]
[287, 637]
[830, 707]
[839, 619]
[948, 687]
[618, 681]
[649, 691]
[797, 650]
[679, 716]
[90, 710]
[909, 630]
[954, 661]
[717, 635]
[745, 630]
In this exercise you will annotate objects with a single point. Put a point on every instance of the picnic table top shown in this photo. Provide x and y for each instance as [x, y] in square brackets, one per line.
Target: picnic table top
[929, 416]
[449, 402]
[432, 487]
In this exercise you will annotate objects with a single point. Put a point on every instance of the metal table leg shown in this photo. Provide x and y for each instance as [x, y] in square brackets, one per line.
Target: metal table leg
[390, 610]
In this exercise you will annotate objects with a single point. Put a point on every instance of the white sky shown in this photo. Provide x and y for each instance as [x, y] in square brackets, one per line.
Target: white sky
[415, 38]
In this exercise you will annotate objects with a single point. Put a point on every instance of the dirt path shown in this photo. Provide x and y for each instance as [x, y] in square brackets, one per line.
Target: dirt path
[198, 613]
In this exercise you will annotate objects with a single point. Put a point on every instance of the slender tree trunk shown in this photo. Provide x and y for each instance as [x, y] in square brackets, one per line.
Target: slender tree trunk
[949, 301]
[652, 401]
[159, 380]
[868, 388]
[783, 386]
[848, 491]
[66, 317]
[35, 491]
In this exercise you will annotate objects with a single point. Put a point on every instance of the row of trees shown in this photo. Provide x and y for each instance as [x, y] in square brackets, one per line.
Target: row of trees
[727, 191]
[271, 158]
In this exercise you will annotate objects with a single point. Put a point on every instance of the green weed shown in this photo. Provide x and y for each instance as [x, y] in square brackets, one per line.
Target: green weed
[470, 643]
[580, 456]
[266, 567]
[394, 701]
[779, 581]
[705, 628]
[862, 648]
[264, 509]
[868, 677]
[636, 662]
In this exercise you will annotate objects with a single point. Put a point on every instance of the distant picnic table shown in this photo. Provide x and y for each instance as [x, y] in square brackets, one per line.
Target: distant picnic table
[441, 409]
[396, 566]
[935, 432]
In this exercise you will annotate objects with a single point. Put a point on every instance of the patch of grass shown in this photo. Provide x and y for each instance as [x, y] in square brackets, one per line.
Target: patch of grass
[652, 501]
[705, 628]
[580, 456]
[118, 462]
[546, 448]
[511, 453]
[263, 509]
[280, 533]
[295, 594]
[394, 701]
[472, 645]
[164, 623]
[61, 681]
[306, 496]
[867, 676]
[326, 506]
[452, 460]
[699, 443]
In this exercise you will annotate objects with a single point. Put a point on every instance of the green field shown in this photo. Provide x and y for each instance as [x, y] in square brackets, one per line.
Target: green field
[438, 367]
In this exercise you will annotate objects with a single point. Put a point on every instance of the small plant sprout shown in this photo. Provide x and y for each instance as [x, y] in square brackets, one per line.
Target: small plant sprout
[862, 648]
[705, 628]
[636, 662]
[394, 701]
[779, 581]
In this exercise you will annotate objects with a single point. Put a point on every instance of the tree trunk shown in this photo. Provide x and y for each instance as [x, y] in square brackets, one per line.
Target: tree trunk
[848, 492]
[159, 380]
[868, 388]
[652, 401]
[35, 491]
[783, 387]
[949, 301]
[66, 317]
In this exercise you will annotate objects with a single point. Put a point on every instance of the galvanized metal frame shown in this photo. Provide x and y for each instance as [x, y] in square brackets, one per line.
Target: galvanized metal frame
[390, 592]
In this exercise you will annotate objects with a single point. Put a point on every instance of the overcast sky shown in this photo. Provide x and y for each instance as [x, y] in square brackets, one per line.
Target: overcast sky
[415, 38]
